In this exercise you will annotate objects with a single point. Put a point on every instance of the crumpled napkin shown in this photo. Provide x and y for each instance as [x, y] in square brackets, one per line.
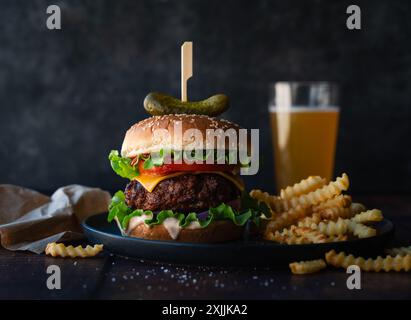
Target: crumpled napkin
[29, 220]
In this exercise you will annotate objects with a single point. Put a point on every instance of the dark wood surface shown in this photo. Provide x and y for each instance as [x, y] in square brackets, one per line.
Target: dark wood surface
[23, 275]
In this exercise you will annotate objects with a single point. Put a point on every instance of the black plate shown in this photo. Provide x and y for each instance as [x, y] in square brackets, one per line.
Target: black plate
[238, 253]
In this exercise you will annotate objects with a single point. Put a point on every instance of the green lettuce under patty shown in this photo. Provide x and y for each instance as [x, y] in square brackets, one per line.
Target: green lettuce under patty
[122, 166]
[119, 209]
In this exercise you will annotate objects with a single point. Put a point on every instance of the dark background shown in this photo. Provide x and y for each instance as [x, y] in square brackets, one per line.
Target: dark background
[68, 96]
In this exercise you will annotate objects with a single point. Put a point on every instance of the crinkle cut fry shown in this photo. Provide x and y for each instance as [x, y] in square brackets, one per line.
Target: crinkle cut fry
[289, 238]
[333, 213]
[340, 201]
[402, 251]
[360, 230]
[303, 235]
[329, 228]
[328, 191]
[357, 208]
[299, 235]
[389, 263]
[276, 204]
[340, 227]
[311, 235]
[60, 250]
[315, 218]
[304, 186]
[304, 267]
[285, 220]
[373, 215]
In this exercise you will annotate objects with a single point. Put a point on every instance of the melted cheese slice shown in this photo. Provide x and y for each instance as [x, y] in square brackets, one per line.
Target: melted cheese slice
[150, 182]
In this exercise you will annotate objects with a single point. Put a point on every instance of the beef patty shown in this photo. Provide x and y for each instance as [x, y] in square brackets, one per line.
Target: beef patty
[185, 193]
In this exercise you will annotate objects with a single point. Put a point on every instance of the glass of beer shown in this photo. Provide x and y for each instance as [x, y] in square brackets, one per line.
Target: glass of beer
[304, 122]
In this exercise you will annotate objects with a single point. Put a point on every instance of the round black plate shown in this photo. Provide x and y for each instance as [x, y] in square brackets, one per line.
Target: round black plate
[238, 253]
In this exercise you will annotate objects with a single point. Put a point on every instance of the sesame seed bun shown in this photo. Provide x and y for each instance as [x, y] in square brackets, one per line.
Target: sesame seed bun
[145, 136]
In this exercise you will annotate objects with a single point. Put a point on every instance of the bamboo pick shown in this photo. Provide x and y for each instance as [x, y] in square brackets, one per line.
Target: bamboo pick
[186, 67]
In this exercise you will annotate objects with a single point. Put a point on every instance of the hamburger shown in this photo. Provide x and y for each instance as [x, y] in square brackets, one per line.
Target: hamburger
[177, 191]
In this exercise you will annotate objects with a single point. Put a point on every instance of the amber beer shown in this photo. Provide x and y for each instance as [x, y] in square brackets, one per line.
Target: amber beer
[304, 142]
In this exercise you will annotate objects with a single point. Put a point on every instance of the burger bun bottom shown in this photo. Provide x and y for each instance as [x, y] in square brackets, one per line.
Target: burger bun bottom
[216, 231]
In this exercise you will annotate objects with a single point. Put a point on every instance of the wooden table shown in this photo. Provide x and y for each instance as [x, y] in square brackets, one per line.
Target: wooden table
[23, 275]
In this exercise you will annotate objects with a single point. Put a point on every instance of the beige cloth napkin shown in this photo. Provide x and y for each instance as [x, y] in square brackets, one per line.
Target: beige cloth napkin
[29, 220]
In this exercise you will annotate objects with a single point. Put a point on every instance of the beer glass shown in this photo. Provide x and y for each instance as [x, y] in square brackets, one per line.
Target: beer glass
[304, 122]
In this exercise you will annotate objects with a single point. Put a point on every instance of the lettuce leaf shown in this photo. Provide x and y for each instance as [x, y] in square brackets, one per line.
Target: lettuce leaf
[148, 163]
[154, 160]
[192, 217]
[122, 166]
[224, 211]
[118, 208]
[163, 215]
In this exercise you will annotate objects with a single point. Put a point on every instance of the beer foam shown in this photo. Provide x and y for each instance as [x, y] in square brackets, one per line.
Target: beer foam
[304, 109]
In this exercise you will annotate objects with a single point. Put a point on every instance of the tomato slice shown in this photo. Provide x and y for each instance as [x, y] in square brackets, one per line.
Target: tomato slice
[174, 167]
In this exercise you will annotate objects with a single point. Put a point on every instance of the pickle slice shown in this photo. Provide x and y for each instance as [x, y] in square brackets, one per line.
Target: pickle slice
[158, 104]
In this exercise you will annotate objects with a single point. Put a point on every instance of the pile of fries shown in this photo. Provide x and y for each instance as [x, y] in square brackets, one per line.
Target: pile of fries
[314, 211]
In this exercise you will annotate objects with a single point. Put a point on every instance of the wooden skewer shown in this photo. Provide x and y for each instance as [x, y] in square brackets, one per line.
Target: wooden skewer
[186, 67]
